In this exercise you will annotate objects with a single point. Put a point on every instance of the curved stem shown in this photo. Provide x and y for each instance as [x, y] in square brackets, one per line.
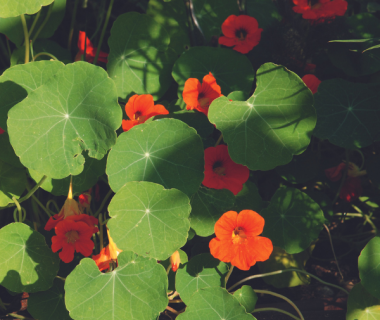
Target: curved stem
[43, 23]
[44, 54]
[333, 251]
[277, 310]
[34, 23]
[282, 297]
[26, 36]
[282, 271]
[228, 274]
[103, 203]
[103, 31]
[18, 208]
[55, 204]
[101, 232]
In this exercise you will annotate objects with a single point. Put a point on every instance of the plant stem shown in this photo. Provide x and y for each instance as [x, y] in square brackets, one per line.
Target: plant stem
[103, 203]
[9, 50]
[282, 271]
[228, 275]
[343, 177]
[44, 54]
[333, 251]
[277, 310]
[190, 23]
[72, 24]
[101, 232]
[43, 23]
[282, 297]
[26, 37]
[219, 139]
[34, 23]
[40, 204]
[103, 31]
[18, 208]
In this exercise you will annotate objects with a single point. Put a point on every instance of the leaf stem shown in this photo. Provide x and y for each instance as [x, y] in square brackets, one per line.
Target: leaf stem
[277, 310]
[219, 139]
[26, 37]
[103, 203]
[44, 54]
[43, 23]
[282, 271]
[228, 274]
[18, 208]
[103, 31]
[333, 251]
[34, 23]
[72, 24]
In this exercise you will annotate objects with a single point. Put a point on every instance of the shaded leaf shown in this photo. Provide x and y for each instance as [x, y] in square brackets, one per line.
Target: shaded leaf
[264, 11]
[12, 182]
[369, 267]
[149, 220]
[364, 25]
[361, 305]
[247, 298]
[7, 153]
[27, 264]
[249, 198]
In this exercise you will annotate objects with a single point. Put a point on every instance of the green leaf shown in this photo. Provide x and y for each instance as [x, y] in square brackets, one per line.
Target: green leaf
[13, 29]
[373, 169]
[271, 126]
[27, 264]
[238, 96]
[202, 271]
[214, 304]
[75, 110]
[246, 297]
[136, 289]
[16, 8]
[171, 275]
[364, 25]
[93, 169]
[139, 61]
[50, 304]
[12, 182]
[232, 70]
[361, 305]
[19, 81]
[211, 14]
[165, 151]
[348, 113]
[207, 206]
[292, 220]
[264, 11]
[369, 267]
[249, 198]
[149, 220]
[7, 153]
[280, 260]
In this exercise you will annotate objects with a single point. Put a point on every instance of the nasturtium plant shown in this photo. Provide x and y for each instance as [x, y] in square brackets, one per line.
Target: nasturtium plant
[369, 265]
[247, 297]
[12, 182]
[11, 9]
[361, 305]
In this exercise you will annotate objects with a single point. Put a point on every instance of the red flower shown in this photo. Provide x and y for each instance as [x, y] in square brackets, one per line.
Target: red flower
[352, 187]
[140, 108]
[241, 32]
[321, 10]
[199, 96]
[90, 50]
[237, 239]
[72, 236]
[221, 172]
[312, 82]
[175, 260]
[107, 255]
[1, 131]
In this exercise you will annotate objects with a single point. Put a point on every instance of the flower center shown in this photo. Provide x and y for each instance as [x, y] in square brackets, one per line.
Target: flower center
[218, 168]
[238, 236]
[314, 4]
[241, 34]
[139, 117]
[72, 236]
[203, 101]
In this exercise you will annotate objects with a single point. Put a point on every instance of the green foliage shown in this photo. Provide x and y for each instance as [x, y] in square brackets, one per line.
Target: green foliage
[361, 305]
[12, 9]
[265, 12]
[369, 267]
[247, 298]
[12, 182]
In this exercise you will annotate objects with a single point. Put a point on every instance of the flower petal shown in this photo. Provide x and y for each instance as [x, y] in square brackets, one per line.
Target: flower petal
[229, 27]
[191, 92]
[67, 253]
[251, 222]
[226, 225]
[222, 250]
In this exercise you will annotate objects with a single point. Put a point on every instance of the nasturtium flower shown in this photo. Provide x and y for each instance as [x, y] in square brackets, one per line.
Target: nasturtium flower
[175, 260]
[312, 82]
[90, 50]
[140, 108]
[199, 96]
[221, 172]
[72, 236]
[320, 10]
[241, 32]
[1, 131]
[238, 241]
[85, 200]
[107, 255]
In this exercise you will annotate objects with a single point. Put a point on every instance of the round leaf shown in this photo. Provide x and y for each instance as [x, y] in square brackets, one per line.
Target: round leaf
[207, 206]
[139, 61]
[202, 271]
[19, 81]
[50, 304]
[364, 25]
[361, 305]
[75, 110]
[369, 267]
[12, 182]
[136, 289]
[27, 264]
[271, 126]
[247, 298]
[348, 113]
[264, 11]
[214, 304]
[292, 220]
[16, 8]
[249, 198]
[166, 151]
[232, 70]
[149, 220]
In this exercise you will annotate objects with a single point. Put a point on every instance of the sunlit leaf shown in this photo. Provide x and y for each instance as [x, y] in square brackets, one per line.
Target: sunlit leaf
[361, 305]
[369, 267]
[247, 298]
[16, 8]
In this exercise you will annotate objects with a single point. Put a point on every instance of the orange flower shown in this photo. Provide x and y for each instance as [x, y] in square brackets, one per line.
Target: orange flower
[107, 255]
[175, 260]
[199, 96]
[221, 172]
[90, 50]
[320, 10]
[140, 108]
[237, 239]
[241, 32]
[72, 236]
[312, 82]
